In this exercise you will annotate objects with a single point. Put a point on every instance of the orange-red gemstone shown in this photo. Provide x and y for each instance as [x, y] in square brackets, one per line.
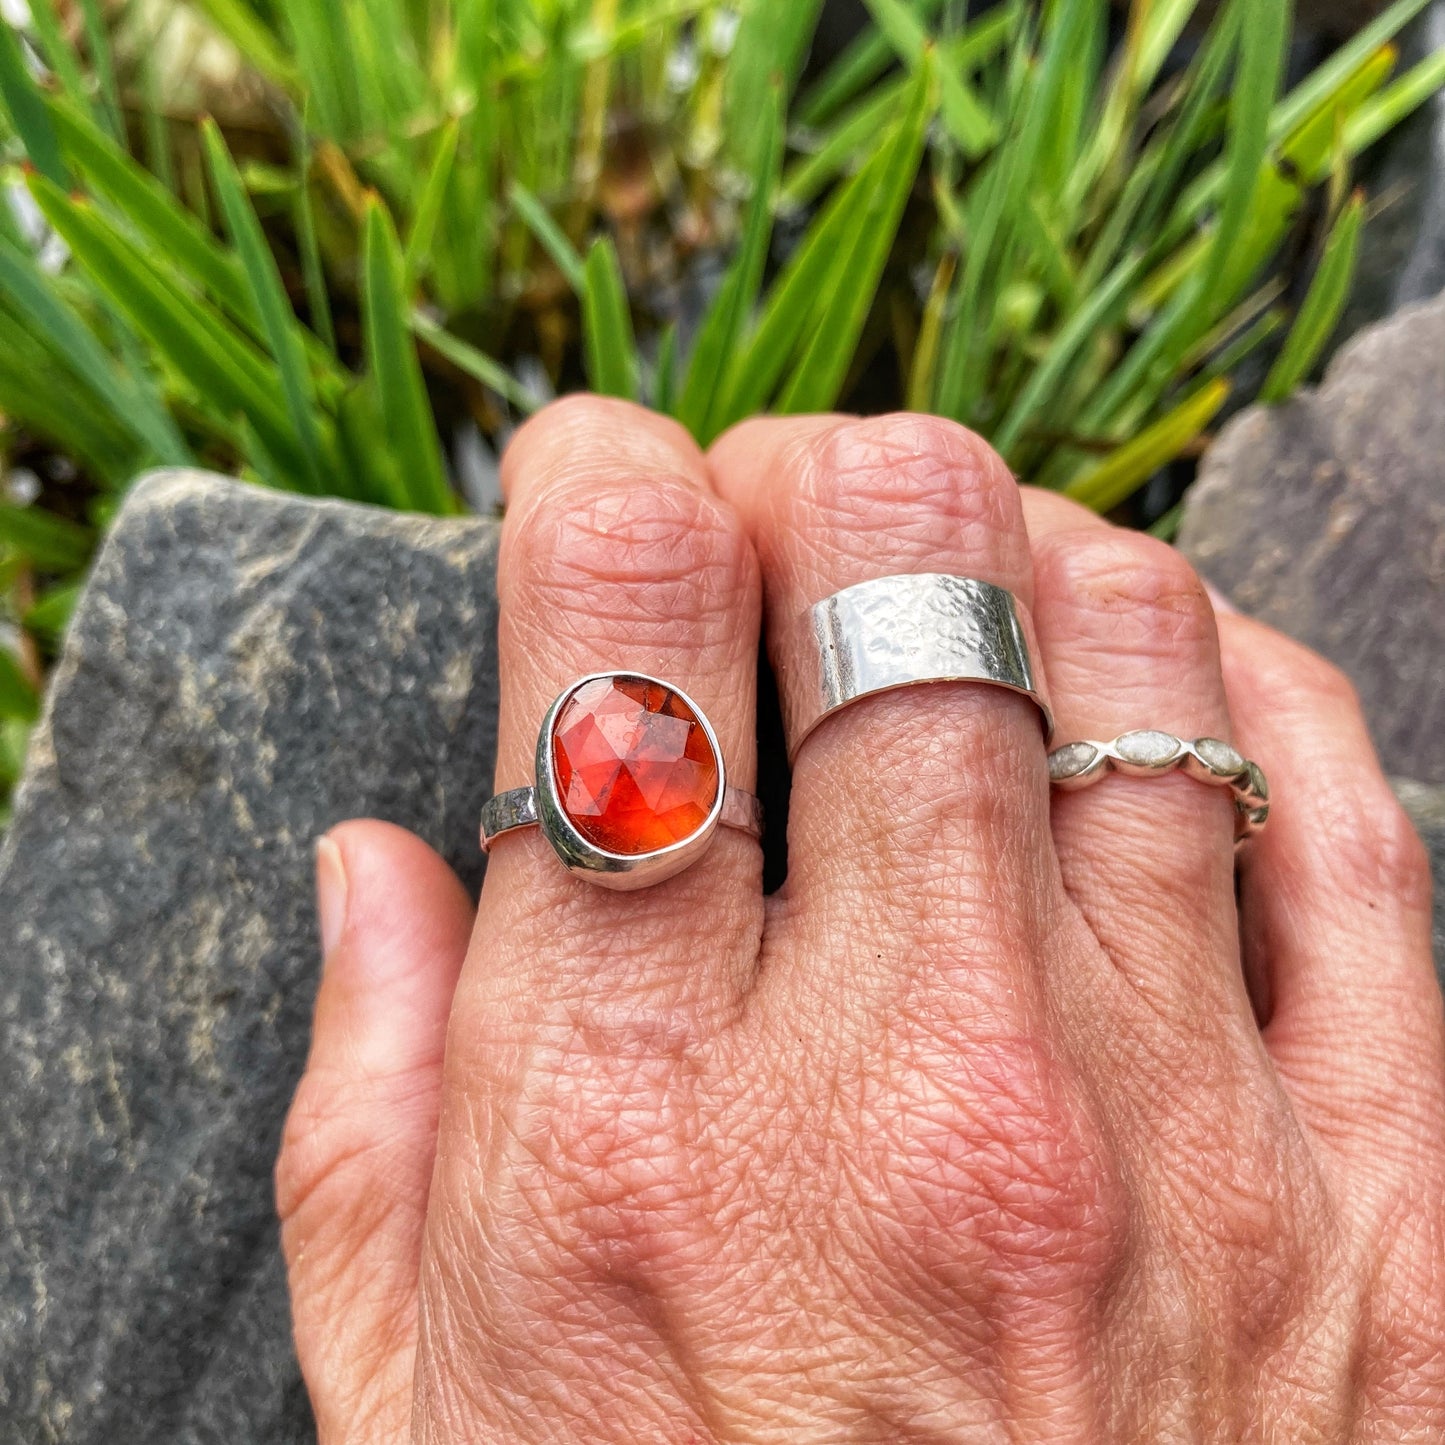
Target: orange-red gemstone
[635, 771]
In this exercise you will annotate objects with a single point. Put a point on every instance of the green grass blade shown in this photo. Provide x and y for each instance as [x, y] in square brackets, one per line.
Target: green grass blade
[241, 25]
[1382, 112]
[970, 124]
[722, 327]
[39, 393]
[854, 134]
[422, 234]
[48, 542]
[223, 368]
[550, 236]
[405, 408]
[128, 399]
[102, 65]
[1163, 24]
[313, 275]
[922, 372]
[322, 40]
[153, 211]
[771, 43]
[664, 372]
[27, 111]
[155, 124]
[18, 698]
[475, 363]
[1316, 89]
[861, 63]
[1100, 309]
[1264, 39]
[822, 370]
[1323, 305]
[1120, 475]
[757, 367]
[370, 460]
[50, 615]
[57, 52]
[1000, 193]
[269, 297]
[611, 348]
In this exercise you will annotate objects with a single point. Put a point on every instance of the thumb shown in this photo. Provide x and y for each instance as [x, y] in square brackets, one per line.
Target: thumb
[359, 1144]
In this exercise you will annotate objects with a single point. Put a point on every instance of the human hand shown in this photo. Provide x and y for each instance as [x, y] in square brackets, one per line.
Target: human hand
[998, 1123]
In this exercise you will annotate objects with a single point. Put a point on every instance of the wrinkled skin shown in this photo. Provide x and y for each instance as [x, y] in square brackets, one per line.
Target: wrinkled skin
[1000, 1123]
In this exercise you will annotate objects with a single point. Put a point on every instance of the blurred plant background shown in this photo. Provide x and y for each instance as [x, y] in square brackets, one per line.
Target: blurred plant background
[343, 246]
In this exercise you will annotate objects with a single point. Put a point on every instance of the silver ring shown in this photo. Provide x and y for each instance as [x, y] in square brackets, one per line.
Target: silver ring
[631, 783]
[899, 632]
[1151, 754]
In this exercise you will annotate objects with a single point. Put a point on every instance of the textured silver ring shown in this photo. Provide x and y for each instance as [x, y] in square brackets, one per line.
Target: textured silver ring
[1152, 754]
[899, 632]
[631, 784]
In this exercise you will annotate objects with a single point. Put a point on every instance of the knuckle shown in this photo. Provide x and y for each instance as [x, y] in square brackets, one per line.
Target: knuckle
[1375, 854]
[1302, 679]
[1138, 592]
[614, 1166]
[658, 552]
[331, 1159]
[1000, 1165]
[930, 481]
[307, 1147]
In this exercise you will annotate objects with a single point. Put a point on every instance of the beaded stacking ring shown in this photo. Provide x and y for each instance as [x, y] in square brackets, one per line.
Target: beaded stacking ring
[1152, 754]
[631, 785]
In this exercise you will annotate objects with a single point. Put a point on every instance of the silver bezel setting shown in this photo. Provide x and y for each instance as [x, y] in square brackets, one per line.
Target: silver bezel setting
[620, 871]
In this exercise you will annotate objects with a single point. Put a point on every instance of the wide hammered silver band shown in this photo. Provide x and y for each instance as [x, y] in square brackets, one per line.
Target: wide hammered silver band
[900, 632]
[517, 808]
[1152, 754]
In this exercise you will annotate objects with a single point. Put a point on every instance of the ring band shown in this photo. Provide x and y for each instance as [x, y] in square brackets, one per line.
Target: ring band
[631, 784]
[899, 632]
[1152, 754]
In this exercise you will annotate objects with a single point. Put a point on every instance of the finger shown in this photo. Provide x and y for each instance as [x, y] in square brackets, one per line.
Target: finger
[616, 555]
[917, 814]
[357, 1154]
[1335, 900]
[1129, 643]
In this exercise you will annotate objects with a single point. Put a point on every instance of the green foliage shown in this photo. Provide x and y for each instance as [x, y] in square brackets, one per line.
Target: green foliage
[438, 210]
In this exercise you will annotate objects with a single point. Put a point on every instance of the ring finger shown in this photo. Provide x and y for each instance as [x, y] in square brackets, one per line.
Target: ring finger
[1129, 643]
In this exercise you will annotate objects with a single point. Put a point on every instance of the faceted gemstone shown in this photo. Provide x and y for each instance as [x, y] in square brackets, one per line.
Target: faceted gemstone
[635, 771]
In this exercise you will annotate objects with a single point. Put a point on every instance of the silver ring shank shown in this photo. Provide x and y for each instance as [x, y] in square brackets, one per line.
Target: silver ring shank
[900, 632]
[517, 808]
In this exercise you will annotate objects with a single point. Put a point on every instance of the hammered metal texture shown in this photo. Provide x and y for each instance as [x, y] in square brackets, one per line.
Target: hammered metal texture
[516, 808]
[899, 632]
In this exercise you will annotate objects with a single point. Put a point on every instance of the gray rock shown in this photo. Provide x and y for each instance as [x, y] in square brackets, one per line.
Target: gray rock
[245, 670]
[1326, 517]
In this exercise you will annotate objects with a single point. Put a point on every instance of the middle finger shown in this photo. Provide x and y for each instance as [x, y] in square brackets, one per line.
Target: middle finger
[918, 822]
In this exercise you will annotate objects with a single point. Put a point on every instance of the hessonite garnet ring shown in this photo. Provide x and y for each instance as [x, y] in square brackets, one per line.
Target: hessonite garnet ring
[631, 785]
